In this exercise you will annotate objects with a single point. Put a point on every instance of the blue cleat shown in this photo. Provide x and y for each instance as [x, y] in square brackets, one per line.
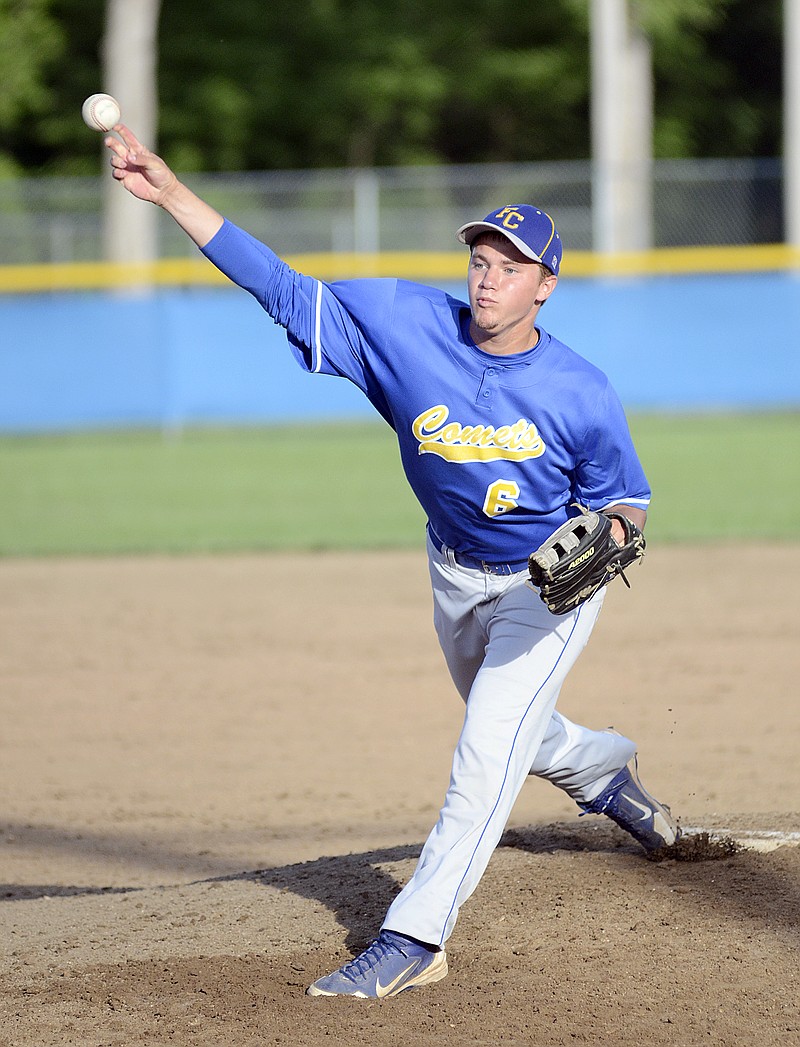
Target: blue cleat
[626, 802]
[390, 965]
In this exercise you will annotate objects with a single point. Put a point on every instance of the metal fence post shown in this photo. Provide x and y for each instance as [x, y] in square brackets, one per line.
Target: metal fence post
[791, 123]
[621, 100]
[366, 211]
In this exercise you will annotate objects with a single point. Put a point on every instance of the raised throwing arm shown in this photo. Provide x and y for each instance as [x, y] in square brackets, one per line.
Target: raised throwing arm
[148, 178]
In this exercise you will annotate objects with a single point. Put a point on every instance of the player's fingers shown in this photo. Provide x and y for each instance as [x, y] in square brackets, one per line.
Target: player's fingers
[133, 151]
[115, 146]
[129, 138]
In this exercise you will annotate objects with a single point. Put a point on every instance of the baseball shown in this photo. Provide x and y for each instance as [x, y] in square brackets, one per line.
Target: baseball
[100, 112]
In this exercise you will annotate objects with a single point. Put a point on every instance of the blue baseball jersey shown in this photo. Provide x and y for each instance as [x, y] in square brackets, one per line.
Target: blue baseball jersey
[496, 448]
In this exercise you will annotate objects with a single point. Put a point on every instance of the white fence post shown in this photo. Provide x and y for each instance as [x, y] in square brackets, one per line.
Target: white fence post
[791, 123]
[621, 111]
[366, 212]
[129, 69]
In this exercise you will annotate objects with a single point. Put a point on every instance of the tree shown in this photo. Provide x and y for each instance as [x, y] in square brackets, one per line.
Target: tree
[330, 83]
[31, 41]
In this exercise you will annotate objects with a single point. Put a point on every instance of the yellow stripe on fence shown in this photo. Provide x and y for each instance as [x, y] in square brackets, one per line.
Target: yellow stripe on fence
[677, 260]
[412, 265]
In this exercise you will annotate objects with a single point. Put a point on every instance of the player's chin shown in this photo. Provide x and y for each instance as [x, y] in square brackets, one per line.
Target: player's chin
[484, 320]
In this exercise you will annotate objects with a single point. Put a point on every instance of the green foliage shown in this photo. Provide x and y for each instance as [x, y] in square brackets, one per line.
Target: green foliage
[52, 139]
[361, 83]
[30, 42]
[717, 76]
[330, 83]
[341, 486]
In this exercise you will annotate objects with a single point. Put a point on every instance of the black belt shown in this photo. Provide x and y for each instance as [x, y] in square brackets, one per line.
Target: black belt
[463, 560]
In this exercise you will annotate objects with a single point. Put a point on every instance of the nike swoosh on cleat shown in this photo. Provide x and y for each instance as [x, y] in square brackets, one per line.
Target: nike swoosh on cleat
[648, 811]
[386, 990]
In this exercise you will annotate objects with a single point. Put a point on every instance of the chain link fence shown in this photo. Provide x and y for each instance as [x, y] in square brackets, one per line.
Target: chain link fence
[694, 202]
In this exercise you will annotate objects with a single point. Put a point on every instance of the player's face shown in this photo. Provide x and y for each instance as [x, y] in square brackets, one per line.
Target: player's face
[506, 291]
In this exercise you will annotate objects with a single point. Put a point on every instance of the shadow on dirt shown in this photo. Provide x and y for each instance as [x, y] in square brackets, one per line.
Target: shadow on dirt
[358, 888]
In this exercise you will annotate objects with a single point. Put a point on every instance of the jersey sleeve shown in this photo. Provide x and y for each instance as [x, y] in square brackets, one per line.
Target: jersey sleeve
[608, 469]
[329, 326]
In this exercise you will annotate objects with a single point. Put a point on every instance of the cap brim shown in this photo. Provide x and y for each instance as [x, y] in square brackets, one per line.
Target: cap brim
[467, 233]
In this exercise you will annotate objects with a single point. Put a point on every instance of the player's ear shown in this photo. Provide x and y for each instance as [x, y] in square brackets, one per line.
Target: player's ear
[547, 285]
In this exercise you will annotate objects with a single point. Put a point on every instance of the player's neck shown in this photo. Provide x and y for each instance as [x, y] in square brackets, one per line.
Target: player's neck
[507, 342]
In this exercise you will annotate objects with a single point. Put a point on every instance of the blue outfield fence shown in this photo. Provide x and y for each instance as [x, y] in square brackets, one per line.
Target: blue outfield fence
[199, 356]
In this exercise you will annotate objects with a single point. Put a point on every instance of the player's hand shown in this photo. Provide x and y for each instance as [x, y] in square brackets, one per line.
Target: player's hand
[147, 177]
[141, 172]
[618, 530]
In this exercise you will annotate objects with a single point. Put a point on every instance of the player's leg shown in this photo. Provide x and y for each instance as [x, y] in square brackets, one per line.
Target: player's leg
[578, 760]
[461, 631]
[572, 757]
[598, 769]
[527, 656]
[581, 761]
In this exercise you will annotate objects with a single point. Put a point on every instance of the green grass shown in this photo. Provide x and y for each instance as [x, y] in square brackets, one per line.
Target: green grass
[341, 486]
[721, 476]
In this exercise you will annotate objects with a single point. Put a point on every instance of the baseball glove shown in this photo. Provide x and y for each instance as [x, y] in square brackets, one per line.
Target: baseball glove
[581, 557]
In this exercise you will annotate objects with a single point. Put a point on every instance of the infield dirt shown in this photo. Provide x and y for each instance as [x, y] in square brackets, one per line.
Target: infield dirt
[217, 771]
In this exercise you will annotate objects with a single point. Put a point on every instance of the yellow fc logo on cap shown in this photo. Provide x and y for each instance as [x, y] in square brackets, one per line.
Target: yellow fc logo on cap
[508, 216]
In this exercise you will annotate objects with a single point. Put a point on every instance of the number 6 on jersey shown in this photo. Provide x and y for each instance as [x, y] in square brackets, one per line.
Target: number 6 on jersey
[501, 496]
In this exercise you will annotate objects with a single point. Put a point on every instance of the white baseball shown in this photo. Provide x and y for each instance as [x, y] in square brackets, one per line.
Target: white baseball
[100, 112]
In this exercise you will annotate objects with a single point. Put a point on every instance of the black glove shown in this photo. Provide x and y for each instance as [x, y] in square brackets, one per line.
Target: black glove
[581, 557]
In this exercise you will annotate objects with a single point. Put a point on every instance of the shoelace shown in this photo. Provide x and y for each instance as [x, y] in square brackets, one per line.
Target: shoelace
[371, 956]
[608, 797]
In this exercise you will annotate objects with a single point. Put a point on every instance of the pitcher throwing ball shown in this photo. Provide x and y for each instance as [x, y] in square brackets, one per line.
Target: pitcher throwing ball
[520, 455]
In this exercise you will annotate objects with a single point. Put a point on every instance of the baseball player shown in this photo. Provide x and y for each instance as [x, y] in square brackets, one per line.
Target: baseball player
[514, 445]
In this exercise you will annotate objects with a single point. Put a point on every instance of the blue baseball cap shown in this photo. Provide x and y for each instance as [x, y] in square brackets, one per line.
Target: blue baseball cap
[530, 230]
